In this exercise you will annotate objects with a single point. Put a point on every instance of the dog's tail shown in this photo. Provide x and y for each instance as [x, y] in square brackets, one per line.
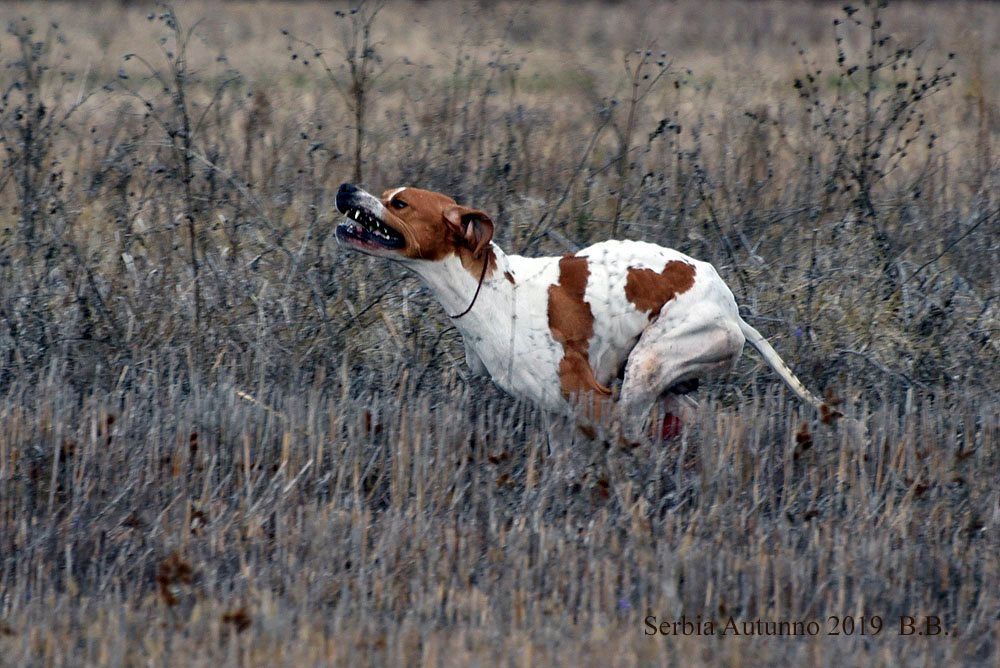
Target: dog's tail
[774, 361]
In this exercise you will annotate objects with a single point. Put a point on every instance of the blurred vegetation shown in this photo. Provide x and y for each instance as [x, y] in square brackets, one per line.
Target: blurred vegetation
[166, 202]
[225, 438]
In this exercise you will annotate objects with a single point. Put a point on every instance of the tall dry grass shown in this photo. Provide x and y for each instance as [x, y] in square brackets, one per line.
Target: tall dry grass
[192, 525]
[224, 440]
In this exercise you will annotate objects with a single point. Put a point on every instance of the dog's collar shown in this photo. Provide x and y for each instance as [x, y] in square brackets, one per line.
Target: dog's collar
[479, 287]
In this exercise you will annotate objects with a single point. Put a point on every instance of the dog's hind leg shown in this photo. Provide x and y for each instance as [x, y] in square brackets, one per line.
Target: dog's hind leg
[671, 352]
[676, 410]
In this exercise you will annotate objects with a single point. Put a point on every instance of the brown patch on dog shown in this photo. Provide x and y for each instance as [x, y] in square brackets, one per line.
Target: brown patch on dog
[648, 290]
[474, 265]
[572, 324]
[421, 222]
[509, 276]
[435, 226]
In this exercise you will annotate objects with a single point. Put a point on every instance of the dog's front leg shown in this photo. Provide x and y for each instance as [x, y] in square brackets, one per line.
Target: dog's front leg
[474, 362]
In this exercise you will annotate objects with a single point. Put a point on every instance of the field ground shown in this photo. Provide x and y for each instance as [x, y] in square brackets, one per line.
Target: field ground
[223, 441]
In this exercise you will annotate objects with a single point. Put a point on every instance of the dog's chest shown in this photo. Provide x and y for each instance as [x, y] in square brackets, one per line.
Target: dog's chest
[511, 337]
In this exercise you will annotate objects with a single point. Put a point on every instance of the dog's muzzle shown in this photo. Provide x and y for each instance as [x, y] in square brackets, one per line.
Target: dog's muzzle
[364, 224]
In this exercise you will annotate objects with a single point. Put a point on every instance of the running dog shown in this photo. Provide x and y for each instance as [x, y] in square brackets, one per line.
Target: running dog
[559, 330]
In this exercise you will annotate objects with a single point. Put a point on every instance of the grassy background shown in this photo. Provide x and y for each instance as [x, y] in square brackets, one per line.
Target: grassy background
[224, 440]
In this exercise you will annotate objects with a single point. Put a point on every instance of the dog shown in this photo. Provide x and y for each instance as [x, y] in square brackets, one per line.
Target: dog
[559, 331]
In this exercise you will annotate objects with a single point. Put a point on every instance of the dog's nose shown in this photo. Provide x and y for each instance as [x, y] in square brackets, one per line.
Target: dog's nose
[344, 195]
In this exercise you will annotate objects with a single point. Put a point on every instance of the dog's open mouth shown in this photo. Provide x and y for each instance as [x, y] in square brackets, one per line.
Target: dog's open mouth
[361, 226]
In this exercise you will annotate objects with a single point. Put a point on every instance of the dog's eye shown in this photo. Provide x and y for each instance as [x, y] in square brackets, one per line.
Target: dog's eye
[398, 204]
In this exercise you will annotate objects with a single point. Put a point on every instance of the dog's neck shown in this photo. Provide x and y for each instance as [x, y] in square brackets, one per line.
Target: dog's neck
[454, 281]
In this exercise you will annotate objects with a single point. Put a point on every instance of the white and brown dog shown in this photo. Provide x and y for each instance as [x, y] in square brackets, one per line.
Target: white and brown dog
[558, 330]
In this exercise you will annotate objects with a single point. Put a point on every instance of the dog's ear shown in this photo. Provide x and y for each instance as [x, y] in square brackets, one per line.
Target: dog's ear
[474, 226]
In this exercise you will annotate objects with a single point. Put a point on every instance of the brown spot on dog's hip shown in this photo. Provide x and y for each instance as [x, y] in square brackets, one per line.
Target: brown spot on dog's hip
[649, 290]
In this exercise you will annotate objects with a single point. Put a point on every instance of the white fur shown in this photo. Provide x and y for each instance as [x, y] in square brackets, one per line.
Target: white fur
[506, 333]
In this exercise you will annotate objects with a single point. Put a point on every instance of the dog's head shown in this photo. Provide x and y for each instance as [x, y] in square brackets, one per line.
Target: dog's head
[411, 224]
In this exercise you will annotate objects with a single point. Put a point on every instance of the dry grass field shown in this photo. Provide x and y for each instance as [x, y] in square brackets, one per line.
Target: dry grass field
[224, 441]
